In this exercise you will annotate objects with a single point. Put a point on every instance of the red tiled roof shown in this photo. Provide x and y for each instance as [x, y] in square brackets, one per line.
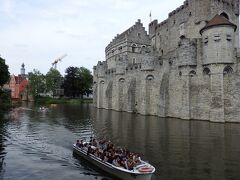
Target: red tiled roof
[217, 21]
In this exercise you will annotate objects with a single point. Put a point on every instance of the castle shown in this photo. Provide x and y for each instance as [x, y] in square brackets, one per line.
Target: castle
[187, 66]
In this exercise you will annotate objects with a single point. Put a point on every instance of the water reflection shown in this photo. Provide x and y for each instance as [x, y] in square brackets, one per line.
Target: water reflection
[179, 149]
[2, 146]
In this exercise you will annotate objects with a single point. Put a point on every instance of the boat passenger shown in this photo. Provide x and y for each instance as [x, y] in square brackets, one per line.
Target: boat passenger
[81, 144]
[124, 163]
[137, 159]
[97, 153]
[90, 150]
[91, 140]
[78, 143]
[130, 164]
[105, 157]
[110, 158]
[116, 161]
[94, 143]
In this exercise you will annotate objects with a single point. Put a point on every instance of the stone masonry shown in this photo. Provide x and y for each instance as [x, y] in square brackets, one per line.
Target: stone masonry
[187, 66]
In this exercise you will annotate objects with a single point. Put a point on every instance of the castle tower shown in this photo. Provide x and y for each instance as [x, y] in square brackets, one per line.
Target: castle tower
[205, 10]
[218, 41]
[218, 38]
[23, 69]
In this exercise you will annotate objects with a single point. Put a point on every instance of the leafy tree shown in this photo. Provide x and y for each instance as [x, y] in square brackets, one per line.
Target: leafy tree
[37, 83]
[86, 81]
[77, 82]
[54, 80]
[4, 73]
[5, 102]
[72, 82]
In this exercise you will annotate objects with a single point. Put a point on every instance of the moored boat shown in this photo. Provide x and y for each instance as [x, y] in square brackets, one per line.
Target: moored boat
[143, 171]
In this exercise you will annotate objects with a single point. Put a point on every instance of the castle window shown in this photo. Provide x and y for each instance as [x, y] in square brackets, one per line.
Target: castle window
[113, 51]
[121, 80]
[216, 37]
[205, 40]
[139, 35]
[192, 73]
[206, 71]
[225, 15]
[227, 70]
[120, 48]
[149, 77]
[229, 37]
[134, 46]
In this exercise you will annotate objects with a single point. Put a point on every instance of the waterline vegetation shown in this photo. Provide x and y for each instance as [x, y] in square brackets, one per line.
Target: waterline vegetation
[52, 88]
[5, 102]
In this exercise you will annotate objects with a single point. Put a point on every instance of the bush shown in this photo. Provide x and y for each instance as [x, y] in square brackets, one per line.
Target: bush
[5, 100]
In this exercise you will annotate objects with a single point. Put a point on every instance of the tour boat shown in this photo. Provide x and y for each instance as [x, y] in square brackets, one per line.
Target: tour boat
[143, 171]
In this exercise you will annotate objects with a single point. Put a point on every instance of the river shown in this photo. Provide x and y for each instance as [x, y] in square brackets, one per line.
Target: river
[37, 145]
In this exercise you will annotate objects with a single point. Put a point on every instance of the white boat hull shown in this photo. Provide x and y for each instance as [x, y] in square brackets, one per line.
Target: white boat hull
[125, 175]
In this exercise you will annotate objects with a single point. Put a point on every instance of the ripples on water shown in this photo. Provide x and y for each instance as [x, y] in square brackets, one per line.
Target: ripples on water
[36, 145]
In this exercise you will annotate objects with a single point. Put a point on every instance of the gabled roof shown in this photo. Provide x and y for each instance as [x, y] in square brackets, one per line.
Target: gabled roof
[125, 33]
[218, 20]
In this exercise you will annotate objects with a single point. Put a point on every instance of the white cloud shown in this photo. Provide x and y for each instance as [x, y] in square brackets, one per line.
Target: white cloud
[7, 7]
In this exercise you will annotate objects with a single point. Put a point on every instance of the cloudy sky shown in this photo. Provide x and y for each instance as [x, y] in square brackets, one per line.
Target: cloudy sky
[38, 31]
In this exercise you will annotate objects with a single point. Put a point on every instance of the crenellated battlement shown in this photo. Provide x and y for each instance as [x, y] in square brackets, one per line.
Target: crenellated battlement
[228, 3]
[123, 36]
[177, 10]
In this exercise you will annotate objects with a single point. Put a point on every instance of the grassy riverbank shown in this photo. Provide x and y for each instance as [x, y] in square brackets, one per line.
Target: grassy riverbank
[49, 100]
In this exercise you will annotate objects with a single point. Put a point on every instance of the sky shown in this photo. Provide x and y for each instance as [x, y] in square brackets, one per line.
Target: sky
[36, 32]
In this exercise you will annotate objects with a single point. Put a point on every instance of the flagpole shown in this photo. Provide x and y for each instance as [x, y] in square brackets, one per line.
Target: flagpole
[150, 16]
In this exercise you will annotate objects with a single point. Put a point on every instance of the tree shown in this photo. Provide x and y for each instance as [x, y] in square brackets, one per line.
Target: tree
[72, 82]
[37, 83]
[54, 80]
[86, 81]
[5, 102]
[4, 73]
[77, 82]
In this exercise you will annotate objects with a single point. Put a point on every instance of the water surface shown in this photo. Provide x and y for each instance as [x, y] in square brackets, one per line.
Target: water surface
[35, 145]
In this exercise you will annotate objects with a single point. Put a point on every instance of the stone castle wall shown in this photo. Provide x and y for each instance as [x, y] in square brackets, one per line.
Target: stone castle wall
[175, 71]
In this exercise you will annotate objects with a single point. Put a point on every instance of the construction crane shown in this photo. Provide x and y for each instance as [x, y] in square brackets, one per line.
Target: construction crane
[54, 64]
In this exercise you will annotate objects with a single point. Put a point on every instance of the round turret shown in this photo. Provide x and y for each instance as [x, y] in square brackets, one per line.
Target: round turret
[218, 41]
